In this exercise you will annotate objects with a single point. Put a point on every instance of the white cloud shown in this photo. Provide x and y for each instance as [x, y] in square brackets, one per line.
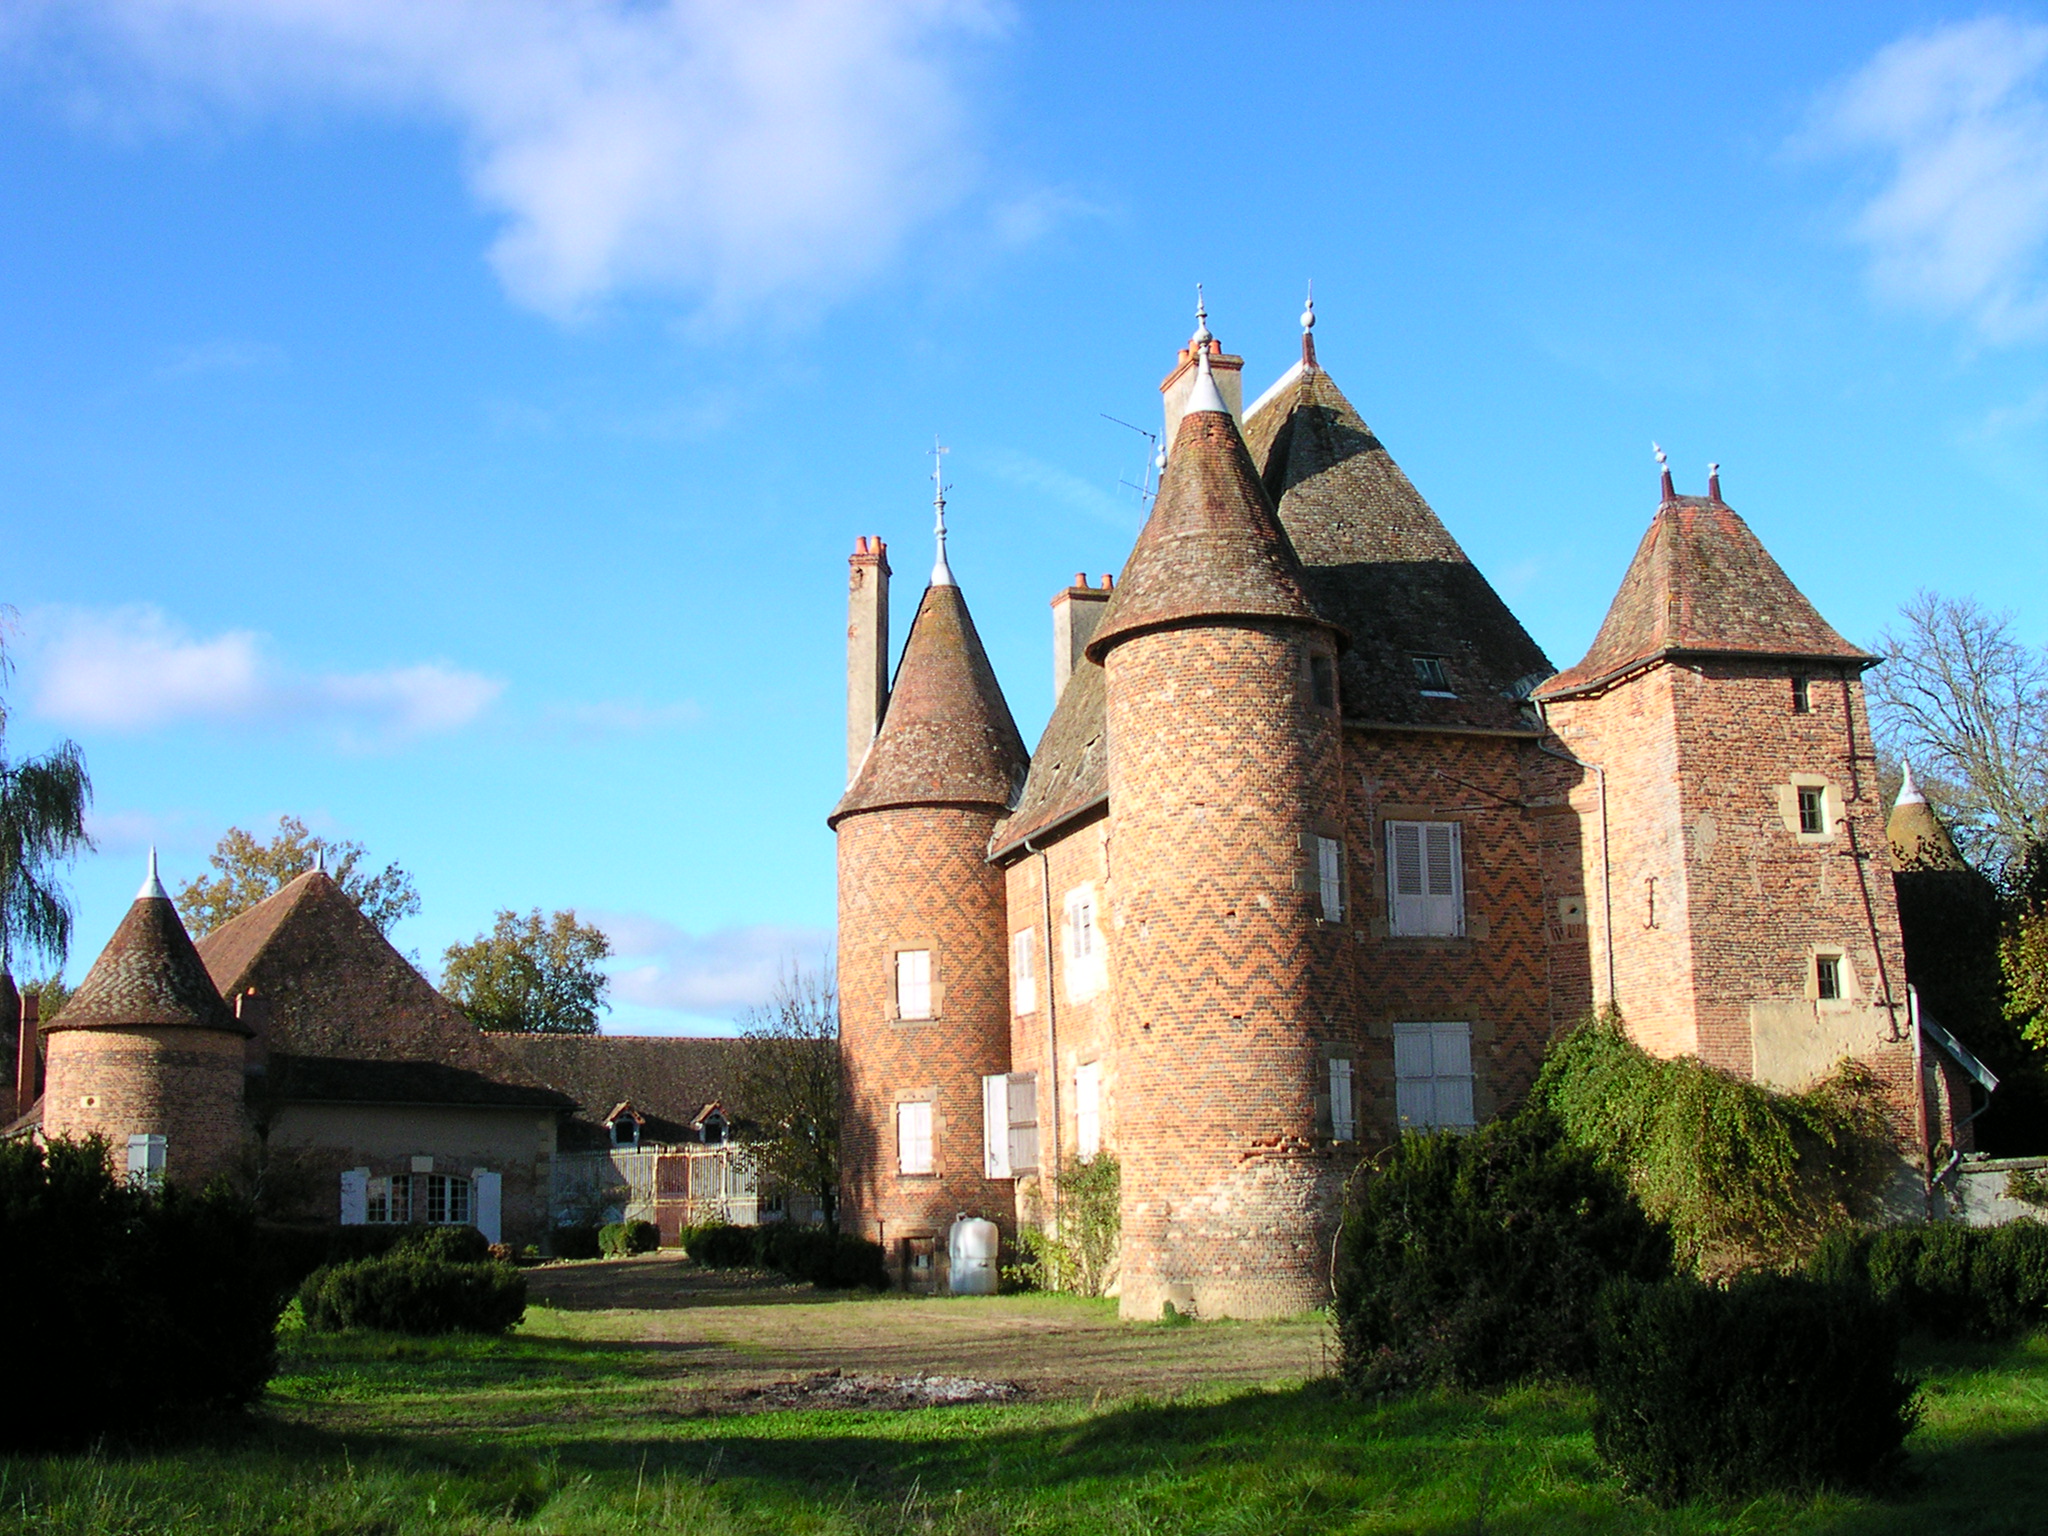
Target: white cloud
[138, 669]
[733, 150]
[715, 974]
[625, 717]
[1959, 118]
[222, 356]
[1119, 508]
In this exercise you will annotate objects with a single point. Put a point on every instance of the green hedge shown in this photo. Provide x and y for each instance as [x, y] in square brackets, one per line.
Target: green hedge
[1950, 1281]
[1473, 1260]
[1773, 1383]
[842, 1262]
[621, 1238]
[409, 1293]
[577, 1242]
[288, 1254]
[133, 1311]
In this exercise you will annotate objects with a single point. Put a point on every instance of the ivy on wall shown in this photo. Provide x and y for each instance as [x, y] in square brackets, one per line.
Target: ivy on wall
[1079, 1253]
[1744, 1177]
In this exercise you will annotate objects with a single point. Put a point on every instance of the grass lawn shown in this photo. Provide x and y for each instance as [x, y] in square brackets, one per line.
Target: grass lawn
[622, 1420]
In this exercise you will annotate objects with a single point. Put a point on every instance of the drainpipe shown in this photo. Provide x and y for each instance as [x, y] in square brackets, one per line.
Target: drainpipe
[1049, 1157]
[1884, 979]
[1606, 871]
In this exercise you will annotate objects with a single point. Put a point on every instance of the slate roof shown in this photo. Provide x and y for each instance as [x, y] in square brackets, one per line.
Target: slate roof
[149, 974]
[1702, 583]
[1380, 565]
[1918, 839]
[348, 1080]
[334, 985]
[947, 737]
[1070, 770]
[668, 1078]
[1212, 547]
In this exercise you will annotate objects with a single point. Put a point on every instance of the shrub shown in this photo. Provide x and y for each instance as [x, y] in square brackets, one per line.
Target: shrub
[406, 1293]
[841, 1262]
[1743, 1176]
[1774, 1383]
[620, 1238]
[450, 1245]
[576, 1242]
[1950, 1281]
[1474, 1260]
[290, 1253]
[144, 1307]
[724, 1247]
[1081, 1255]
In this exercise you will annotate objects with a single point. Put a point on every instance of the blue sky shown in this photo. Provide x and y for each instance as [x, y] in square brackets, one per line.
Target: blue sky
[448, 423]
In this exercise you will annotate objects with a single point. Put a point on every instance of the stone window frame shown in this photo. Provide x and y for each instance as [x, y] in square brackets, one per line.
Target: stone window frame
[1024, 971]
[1831, 807]
[1085, 976]
[926, 1099]
[1802, 694]
[1845, 977]
[1459, 897]
[910, 943]
[1433, 1030]
[1327, 1123]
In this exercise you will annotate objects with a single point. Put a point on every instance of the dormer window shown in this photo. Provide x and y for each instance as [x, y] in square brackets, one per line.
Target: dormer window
[1431, 678]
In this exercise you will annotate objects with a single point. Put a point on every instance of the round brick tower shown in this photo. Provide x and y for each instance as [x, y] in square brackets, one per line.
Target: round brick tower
[1224, 770]
[145, 1048]
[923, 936]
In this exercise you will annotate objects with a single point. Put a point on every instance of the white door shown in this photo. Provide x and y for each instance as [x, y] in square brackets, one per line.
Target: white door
[355, 1196]
[490, 1204]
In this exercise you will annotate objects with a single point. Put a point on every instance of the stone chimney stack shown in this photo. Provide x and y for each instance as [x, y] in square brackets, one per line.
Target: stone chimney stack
[26, 1056]
[1075, 613]
[254, 1012]
[867, 647]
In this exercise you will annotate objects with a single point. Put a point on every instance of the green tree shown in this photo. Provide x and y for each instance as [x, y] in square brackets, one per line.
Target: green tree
[532, 975]
[42, 824]
[247, 872]
[787, 1083]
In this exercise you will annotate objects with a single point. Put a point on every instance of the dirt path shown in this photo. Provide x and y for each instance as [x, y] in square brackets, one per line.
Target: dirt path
[743, 1330]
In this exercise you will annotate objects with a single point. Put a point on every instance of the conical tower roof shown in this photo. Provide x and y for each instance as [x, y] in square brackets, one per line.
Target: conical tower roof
[1703, 584]
[1919, 839]
[947, 737]
[149, 975]
[1380, 563]
[1213, 547]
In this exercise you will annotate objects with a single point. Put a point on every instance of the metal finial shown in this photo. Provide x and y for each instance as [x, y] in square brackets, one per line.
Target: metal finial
[151, 885]
[320, 858]
[1202, 336]
[1663, 462]
[1909, 792]
[1308, 310]
[942, 573]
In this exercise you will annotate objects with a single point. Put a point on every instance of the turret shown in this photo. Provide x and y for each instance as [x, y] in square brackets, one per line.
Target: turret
[922, 941]
[1224, 773]
[146, 1054]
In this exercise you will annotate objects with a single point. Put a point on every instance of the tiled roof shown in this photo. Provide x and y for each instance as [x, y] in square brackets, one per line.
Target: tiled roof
[667, 1078]
[1918, 839]
[342, 1080]
[334, 985]
[1070, 770]
[1701, 582]
[1212, 547]
[148, 974]
[1381, 565]
[946, 736]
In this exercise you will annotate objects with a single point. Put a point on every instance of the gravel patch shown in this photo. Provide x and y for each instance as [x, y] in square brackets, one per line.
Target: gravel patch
[861, 1389]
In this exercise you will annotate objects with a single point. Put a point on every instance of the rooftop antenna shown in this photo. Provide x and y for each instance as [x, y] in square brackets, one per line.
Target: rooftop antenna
[1154, 461]
[942, 573]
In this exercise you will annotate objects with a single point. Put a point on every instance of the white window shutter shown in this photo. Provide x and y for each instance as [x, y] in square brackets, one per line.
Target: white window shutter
[1330, 877]
[995, 1126]
[1343, 1124]
[1023, 1107]
[1451, 1050]
[355, 1196]
[1023, 972]
[489, 1199]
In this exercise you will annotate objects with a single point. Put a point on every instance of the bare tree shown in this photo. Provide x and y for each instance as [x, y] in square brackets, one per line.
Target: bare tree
[788, 1083]
[1961, 696]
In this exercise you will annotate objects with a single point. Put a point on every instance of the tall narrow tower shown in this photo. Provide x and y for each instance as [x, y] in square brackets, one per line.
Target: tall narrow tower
[923, 935]
[1224, 760]
[1749, 907]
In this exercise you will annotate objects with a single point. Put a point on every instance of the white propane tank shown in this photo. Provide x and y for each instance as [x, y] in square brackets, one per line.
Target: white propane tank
[971, 1248]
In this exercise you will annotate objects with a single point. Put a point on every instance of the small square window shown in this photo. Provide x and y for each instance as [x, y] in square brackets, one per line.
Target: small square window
[1813, 819]
[1802, 695]
[1431, 677]
[1827, 978]
[1322, 676]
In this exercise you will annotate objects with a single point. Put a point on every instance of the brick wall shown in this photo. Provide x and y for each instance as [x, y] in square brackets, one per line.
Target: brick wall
[919, 878]
[182, 1084]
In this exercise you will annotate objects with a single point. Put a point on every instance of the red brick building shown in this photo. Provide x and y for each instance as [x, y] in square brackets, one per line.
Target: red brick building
[1318, 845]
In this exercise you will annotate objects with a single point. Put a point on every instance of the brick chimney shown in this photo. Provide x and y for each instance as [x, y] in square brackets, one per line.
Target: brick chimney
[1075, 613]
[254, 1012]
[27, 1057]
[1228, 372]
[867, 647]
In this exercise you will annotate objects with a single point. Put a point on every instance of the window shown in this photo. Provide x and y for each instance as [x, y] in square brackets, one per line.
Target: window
[1827, 978]
[1330, 878]
[1802, 695]
[1083, 944]
[1343, 1119]
[914, 1137]
[146, 1159]
[1425, 879]
[448, 1202]
[1322, 678]
[1431, 677]
[1813, 819]
[390, 1199]
[1433, 1075]
[1088, 1109]
[626, 1131]
[913, 984]
[1009, 1124]
[1023, 971]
